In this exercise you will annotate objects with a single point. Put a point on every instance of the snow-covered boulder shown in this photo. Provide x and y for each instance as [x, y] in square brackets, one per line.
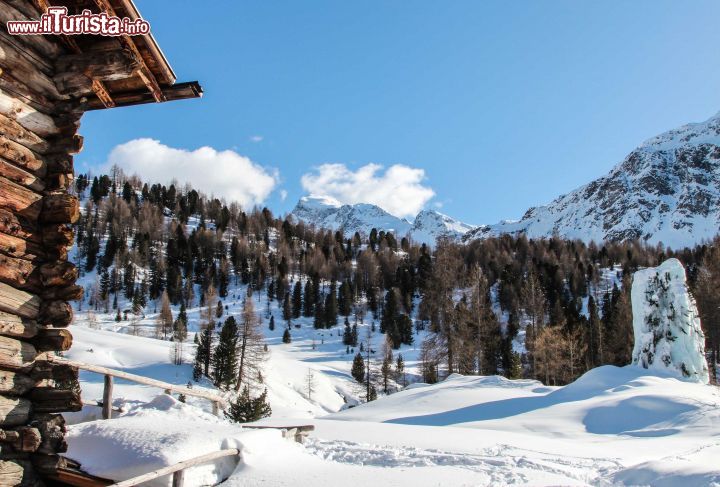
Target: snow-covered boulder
[666, 324]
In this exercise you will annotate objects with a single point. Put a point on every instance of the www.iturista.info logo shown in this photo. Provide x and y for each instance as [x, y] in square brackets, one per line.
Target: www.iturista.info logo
[57, 21]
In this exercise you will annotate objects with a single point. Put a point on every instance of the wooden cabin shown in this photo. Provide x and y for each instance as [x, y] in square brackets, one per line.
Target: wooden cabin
[47, 82]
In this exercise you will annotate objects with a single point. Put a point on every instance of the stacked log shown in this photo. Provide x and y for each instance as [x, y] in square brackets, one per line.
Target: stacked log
[39, 118]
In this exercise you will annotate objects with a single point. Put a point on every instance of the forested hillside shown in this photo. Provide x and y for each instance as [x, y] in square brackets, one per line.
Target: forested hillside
[549, 309]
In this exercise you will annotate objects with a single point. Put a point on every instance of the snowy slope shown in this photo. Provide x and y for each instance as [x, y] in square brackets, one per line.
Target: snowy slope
[427, 227]
[667, 190]
[614, 426]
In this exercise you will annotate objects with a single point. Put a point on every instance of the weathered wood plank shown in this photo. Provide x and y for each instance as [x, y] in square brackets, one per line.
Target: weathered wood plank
[14, 411]
[52, 339]
[139, 379]
[12, 130]
[58, 274]
[23, 201]
[11, 473]
[15, 383]
[44, 370]
[17, 226]
[23, 439]
[19, 302]
[20, 176]
[56, 313]
[76, 72]
[35, 74]
[53, 400]
[28, 250]
[36, 121]
[42, 45]
[52, 430]
[161, 472]
[60, 207]
[62, 293]
[15, 354]
[18, 273]
[22, 157]
[16, 326]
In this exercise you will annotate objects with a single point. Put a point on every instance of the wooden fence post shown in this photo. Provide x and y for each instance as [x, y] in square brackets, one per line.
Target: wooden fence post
[178, 478]
[107, 397]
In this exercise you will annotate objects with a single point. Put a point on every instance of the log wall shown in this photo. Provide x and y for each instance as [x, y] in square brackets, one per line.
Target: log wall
[40, 112]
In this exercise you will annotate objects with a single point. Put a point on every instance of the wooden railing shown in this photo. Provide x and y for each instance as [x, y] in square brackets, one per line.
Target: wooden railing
[217, 401]
[79, 478]
[178, 469]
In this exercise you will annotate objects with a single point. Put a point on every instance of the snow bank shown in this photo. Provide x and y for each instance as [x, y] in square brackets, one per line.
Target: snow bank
[161, 433]
[666, 324]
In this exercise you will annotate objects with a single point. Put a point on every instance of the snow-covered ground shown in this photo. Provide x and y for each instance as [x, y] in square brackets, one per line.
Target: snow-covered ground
[612, 426]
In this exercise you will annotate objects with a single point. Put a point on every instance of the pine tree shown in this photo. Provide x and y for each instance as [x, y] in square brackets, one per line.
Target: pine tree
[358, 368]
[245, 409]
[308, 299]
[386, 370]
[203, 355]
[400, 370]
[286, 338]
[180, 325]
[347, 333]
[287, 309]
[331, 308]
[271, 325]
[319, 318]
[224, 360]
[354, 335]
[297, 300]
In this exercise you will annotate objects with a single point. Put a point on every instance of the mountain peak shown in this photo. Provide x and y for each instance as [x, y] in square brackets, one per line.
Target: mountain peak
[427, 226]
[667, 190]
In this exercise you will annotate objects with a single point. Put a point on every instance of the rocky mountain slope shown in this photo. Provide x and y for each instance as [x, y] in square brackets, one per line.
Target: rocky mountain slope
[427, 227]
[667, 190]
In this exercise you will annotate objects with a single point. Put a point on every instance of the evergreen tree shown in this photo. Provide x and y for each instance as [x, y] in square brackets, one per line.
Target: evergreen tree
[203, 355]
[286, 338]
[287, 311]
[354, 336]
[297, 300]
[308, 304]
[224, 360]
[271, 325]
[400, 370]
[358, 368]
[331, 308]
[180, 325]
[347, 333]
[245, 409]
[386, 370]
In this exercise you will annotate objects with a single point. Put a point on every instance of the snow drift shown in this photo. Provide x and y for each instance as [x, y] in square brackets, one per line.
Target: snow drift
[666, 324]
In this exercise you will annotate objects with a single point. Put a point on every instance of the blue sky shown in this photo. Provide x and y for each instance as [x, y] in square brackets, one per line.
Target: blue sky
[503, 104]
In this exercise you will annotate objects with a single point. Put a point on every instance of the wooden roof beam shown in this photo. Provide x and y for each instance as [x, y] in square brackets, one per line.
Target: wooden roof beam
[147, 77]
[97, 85]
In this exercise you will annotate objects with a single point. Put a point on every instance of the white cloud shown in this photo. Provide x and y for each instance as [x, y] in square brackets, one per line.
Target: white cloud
[283, 195]
[398, 189]
[256, 138]
[223, 173]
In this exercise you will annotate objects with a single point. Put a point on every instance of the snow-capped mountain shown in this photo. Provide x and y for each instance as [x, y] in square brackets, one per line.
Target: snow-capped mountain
[326, 212]
[667, 190]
